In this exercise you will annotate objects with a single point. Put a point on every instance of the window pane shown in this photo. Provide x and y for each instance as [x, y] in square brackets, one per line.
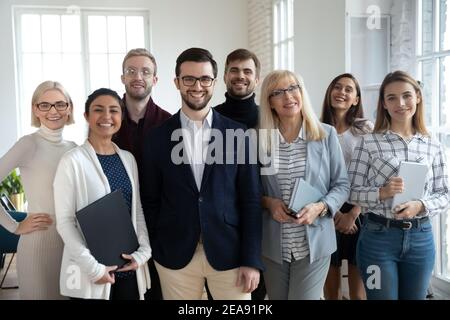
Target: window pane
[73, 81]
[135, 32]
[115, 71]
[290, 23]
[276, 57]
[283, 55]
[99, 71]
[427, 79]
[32, 67]
[444, 34]
[78, 131]
[51, 48]
[444, 100]
[71, 37]
[51, 33]
[283, 28]
[276, 24]
[427, 26]
[31, 33]
[72, 72]
[97, 34]
[291, 55]
[116, 34]
[52, 66]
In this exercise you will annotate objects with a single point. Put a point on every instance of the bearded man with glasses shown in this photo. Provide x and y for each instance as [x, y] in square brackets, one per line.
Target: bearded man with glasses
[141, 114]
[139, 76]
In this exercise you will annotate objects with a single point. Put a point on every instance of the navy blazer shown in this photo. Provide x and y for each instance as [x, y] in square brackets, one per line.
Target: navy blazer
[226, 211]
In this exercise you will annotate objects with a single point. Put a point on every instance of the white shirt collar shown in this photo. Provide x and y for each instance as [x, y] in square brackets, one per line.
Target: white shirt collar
[186, 122]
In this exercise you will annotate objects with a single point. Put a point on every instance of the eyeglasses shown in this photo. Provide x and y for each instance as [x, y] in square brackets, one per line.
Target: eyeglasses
[279, 93]
[46, 106]
[132, 73]
[190, 81]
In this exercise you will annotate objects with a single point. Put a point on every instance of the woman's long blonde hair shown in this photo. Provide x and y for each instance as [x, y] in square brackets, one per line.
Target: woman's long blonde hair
[269, 119]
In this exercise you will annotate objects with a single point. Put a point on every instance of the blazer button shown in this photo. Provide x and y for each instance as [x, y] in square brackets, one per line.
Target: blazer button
[200, 199]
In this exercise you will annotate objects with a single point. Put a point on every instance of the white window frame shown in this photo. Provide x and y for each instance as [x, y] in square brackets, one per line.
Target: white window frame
[439, 281]
[283, 34]
[23, 107]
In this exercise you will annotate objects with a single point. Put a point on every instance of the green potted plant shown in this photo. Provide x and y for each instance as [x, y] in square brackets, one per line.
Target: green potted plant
[12, 187]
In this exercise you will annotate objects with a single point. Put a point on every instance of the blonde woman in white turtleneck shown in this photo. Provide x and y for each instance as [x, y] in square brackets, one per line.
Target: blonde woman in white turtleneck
[40, 248]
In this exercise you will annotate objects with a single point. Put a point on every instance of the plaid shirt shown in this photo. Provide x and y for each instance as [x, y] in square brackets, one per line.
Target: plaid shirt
[377, 158]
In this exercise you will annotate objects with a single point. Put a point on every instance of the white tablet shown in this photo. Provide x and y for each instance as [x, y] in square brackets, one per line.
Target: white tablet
[414, 176]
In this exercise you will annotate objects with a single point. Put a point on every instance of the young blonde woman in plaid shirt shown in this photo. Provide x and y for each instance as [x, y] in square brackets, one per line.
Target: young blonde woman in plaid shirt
[395, 252]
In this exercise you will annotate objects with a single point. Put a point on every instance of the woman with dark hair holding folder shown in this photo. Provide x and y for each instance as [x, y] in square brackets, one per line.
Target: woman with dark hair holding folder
[84, 175]
[297, 248]
[395, 251]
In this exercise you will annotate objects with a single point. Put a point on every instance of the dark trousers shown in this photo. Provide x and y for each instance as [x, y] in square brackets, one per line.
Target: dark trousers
[260, 292]
[155, 292]
[125, 288]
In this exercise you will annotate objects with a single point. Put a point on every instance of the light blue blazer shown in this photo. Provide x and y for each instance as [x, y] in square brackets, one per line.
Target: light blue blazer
[327, 172]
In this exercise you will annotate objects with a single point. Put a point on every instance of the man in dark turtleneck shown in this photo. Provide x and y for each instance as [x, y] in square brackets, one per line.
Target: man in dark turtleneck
[242, 69]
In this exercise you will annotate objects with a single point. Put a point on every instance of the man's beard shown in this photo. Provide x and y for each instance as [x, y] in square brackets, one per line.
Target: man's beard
[193, 106]
[241, 94]
[138, 96]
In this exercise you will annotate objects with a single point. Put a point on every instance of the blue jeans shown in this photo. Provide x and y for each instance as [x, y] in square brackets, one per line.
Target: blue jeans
[395, 264]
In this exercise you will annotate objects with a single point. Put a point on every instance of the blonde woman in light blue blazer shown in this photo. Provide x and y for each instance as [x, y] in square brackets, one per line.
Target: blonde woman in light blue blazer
[297, 248]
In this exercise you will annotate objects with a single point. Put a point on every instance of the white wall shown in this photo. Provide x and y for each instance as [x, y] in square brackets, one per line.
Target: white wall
[217, 25]
[319, 35]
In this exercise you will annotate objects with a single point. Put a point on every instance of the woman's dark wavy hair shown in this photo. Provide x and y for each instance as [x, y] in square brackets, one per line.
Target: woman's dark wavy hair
[355, 111]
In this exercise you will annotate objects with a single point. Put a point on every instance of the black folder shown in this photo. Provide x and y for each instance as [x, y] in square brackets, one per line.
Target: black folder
[108, 230]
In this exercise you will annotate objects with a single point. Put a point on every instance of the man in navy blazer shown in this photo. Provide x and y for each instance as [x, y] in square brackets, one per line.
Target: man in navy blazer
[202, 205]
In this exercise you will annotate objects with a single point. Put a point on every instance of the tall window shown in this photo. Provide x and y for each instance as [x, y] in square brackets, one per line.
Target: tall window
[434, 71]
[82, 49]
[283, 34]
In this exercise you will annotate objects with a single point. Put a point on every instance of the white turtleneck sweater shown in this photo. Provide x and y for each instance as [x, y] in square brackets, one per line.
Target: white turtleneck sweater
[37, 156]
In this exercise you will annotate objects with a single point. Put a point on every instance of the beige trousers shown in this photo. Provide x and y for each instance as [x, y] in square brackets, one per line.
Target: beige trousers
[188, 283]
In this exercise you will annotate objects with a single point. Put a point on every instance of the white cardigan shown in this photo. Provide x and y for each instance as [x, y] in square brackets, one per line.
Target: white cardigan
[79, 181]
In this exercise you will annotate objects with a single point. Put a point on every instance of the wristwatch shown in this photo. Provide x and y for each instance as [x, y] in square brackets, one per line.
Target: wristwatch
[325, 209]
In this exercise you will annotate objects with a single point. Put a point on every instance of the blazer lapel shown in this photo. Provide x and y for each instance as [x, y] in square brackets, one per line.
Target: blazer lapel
[218, 125]
[184, 167]
[313, 160]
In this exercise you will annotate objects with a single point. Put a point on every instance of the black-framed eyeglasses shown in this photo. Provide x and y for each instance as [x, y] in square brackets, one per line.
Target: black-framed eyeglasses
[46, 106]
[279, 93]
[132, 73]
[190, 81]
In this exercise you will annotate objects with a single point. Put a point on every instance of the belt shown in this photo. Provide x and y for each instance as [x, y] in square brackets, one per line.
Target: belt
[400, 224]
